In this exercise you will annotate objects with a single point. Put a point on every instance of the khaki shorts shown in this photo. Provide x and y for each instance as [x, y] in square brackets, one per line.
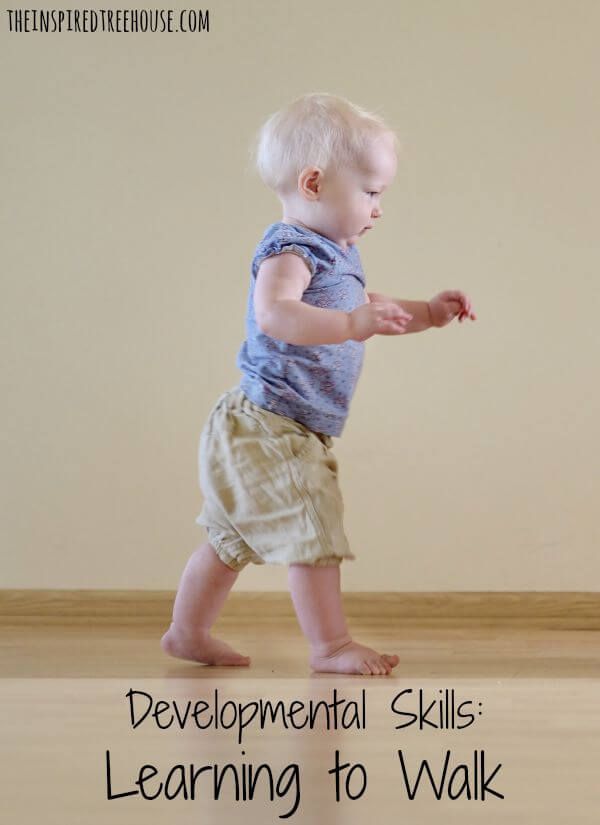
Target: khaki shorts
[270, 488]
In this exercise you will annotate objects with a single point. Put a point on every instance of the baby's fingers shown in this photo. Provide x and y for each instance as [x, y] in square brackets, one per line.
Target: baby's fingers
[393, 312]
[465, 307]
[467, 314]
[392, 328]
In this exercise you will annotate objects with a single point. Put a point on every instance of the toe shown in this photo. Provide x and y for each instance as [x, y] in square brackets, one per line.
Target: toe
[233, 660]
[243, 661]
[392, 661]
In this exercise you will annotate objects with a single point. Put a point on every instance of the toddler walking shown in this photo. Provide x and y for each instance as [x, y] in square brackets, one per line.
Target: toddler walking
[267, 472]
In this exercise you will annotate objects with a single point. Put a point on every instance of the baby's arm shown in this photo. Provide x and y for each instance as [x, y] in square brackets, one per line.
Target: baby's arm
[280, 312]
[418, 309]
[435, 313]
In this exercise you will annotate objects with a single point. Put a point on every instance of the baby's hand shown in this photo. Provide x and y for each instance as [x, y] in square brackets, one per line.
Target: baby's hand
[447, 305]
[377, 318]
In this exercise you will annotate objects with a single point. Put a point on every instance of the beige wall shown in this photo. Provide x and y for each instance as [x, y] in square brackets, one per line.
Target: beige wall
[129, 218]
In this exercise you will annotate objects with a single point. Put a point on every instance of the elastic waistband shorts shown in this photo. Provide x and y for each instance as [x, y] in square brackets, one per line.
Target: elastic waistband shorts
[270, 488]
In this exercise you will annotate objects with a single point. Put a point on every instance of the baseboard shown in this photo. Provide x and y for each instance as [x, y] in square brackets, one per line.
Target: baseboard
[580, 609]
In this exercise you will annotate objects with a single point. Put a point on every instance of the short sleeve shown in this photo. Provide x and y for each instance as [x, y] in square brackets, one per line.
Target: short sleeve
[317, 258]
[292, 247]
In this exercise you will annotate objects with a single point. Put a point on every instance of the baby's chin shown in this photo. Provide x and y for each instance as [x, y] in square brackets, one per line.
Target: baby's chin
[355, 238]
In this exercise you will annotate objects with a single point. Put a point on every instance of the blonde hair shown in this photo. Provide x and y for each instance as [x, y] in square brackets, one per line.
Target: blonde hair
[317, 129]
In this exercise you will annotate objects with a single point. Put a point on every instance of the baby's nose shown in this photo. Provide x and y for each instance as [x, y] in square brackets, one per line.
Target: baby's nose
[377, 212]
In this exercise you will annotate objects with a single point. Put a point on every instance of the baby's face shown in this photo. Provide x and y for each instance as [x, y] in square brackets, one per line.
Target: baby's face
[351, 198]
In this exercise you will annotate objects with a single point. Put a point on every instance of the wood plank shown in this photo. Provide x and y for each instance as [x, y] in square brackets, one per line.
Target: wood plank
[130, 605]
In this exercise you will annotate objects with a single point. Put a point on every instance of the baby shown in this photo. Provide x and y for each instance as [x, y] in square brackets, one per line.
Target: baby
[267, 473]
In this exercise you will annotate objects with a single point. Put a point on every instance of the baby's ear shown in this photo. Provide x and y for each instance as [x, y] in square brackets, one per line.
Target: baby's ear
[310, 181]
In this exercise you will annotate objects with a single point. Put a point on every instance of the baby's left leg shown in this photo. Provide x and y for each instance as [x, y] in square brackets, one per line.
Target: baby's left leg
[204, 587]
[318, 602]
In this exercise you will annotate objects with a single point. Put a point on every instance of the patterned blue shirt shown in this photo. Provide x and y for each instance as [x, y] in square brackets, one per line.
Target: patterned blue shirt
[311, 384]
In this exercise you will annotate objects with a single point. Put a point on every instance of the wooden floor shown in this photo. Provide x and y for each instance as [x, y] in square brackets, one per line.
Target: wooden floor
[533, 692]
[109, 649]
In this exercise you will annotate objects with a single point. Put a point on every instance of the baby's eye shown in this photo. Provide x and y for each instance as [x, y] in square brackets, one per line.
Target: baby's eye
[372, 193]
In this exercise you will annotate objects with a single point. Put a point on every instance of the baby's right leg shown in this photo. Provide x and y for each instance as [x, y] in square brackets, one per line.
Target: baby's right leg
[204, 586]
[318, 602]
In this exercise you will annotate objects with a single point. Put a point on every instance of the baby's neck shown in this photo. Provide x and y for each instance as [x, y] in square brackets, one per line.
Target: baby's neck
[297, 222]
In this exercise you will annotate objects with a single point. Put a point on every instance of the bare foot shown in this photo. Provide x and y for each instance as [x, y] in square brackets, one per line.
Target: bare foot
[354, 658]
[200, 648]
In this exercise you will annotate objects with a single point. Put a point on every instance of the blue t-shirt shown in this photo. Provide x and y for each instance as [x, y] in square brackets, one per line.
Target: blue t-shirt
[311, 384]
